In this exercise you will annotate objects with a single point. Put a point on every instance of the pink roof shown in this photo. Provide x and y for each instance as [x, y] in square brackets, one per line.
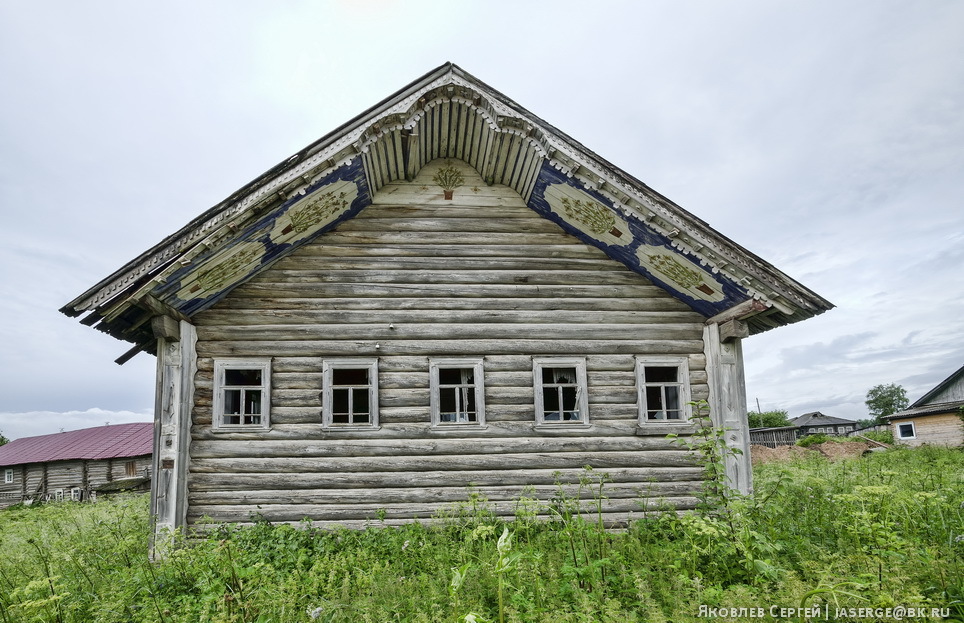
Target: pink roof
[101, 442]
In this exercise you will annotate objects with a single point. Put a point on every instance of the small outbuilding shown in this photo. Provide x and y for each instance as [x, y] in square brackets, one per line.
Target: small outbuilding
[444, 294]
[936, 418]
[76, 465]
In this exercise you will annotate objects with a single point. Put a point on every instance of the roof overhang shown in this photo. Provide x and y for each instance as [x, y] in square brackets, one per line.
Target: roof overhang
[445, 114]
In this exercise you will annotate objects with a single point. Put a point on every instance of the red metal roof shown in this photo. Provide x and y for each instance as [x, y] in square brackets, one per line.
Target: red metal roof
[101, 442]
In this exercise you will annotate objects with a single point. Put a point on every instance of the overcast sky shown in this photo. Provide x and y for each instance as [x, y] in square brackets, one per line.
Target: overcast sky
[826, 137]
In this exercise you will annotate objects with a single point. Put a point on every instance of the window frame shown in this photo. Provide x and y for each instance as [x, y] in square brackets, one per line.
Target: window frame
[220, 367]
[582, 390]
[913, 428]
[8, 476]
[683, 384]
[478, 387]
[328, 367]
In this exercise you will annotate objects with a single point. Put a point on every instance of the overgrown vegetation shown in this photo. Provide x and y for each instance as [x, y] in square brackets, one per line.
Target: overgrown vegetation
[883, 530]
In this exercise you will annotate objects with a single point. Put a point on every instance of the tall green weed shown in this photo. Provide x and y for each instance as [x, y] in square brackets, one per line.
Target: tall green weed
[885, 529]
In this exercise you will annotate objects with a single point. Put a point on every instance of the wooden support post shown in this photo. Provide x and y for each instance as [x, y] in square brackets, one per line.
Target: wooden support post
[727, 384]
[174, 401]
[412, 156]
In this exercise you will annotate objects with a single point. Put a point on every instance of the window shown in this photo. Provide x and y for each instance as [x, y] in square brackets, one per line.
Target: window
[7, 476]
[458, 393]
[350, 395]
[560, 391]
[242, 394]
[663, 389]
[130, 469]
[906, 430]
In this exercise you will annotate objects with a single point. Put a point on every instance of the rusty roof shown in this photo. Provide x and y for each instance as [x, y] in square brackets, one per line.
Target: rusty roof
[101, 442]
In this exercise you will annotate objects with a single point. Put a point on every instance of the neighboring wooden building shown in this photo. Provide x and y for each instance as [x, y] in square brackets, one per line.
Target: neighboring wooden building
[76, 465]
[445, 292]
[936, 418]
[817, 423]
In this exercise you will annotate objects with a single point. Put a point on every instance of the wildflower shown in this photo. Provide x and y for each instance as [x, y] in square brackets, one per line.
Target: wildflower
[314, 614]
[405, 545]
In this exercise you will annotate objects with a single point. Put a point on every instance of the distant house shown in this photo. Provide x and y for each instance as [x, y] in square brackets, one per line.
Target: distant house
[817, 423]
[935, 418]
[76, 464]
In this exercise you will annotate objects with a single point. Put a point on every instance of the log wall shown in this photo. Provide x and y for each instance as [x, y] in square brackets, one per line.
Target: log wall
[935, 430]
[415, 276]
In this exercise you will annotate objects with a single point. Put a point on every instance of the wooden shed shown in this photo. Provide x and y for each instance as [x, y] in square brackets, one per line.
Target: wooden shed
[445, 292]
[936, 418]
[76, 465]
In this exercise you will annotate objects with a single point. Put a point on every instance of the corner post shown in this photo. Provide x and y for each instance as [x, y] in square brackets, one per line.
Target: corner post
[173, 403]
[727, 384]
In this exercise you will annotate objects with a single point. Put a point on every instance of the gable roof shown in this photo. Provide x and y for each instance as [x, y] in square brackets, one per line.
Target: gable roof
[447, 113]
[818, 419]
[102, 442]
[955, 379]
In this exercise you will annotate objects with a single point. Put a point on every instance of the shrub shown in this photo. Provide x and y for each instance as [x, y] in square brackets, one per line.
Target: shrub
[811, 440]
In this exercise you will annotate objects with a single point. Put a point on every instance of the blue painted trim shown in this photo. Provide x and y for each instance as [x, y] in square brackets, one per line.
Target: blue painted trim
[260, 232]
[627, 254]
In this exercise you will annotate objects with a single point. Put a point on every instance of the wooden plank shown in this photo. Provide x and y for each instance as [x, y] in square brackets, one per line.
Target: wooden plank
[439, 495]
[400, 512]
[386, 263]
[370, 348]
[449, 331]
[368, 249]
[445, 290]
[246, 302]
[480, 478]
[534, 460]
[305, 449]
[463, 226]
[493, 364]
[564, 278]
[464, 316]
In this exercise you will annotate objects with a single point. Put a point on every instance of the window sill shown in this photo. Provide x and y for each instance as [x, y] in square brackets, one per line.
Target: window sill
[351, 428]
[663, 429]
[240, 428]
[561, 426]
[444, 427]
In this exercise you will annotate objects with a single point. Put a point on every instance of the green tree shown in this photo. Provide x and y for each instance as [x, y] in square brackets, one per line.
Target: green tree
[3, 439]
[768, 419]
[883, 400]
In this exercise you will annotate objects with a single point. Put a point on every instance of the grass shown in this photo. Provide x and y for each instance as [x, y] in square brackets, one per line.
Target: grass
[883, 530]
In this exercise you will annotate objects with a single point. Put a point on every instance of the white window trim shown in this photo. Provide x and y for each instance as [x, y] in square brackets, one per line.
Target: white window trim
[328, 366]
[683, 373]
[8, 475]
[913, 428]
[220, 365]
[479, 388]
[582, 390]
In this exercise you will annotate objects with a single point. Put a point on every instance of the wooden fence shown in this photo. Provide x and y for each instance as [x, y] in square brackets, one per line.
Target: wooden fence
[773, 437]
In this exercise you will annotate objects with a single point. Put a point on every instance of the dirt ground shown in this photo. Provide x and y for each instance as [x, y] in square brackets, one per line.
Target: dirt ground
[831, 450]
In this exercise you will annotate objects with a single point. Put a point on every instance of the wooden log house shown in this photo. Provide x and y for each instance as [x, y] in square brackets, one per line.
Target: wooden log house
[76, 465]
[445, 292]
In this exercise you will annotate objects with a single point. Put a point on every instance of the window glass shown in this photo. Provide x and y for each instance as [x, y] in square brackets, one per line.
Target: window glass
[663, 391]
[560, 390]
[350, 387]
[241, 395]
[456, 395]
